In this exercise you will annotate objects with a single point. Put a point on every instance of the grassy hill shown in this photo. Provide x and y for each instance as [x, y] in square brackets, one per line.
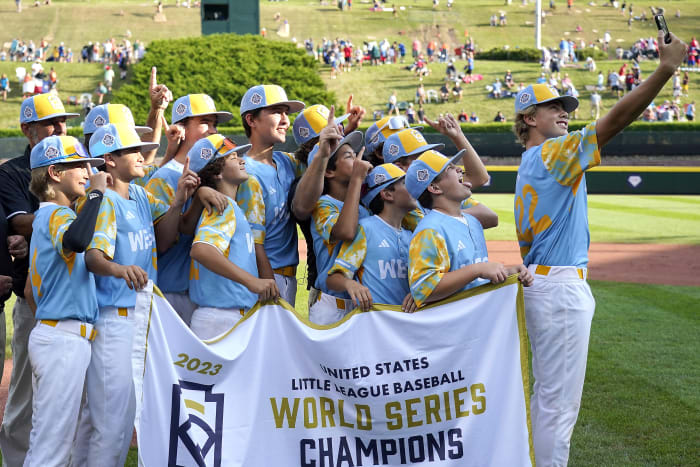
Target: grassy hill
[76, 23]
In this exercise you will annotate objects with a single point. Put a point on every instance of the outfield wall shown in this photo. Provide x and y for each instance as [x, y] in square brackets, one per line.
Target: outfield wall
[628, 179]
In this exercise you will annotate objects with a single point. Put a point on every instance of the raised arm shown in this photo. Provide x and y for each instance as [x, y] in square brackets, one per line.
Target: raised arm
[310, 187]
[633, 104]
[345, 228]
[474, 170]
[160, 98]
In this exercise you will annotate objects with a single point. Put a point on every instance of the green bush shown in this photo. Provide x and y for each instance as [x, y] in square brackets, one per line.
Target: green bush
[224, 66]
[520, 55]
[597, 54]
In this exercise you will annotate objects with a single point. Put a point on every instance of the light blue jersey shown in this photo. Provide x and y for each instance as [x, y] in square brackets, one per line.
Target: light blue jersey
[124, 233]
[231, 234]
[442, 244]
[174, 264]
[323, 219]
[551, 206]
[263, 198]
[62, 286]
[378, 259]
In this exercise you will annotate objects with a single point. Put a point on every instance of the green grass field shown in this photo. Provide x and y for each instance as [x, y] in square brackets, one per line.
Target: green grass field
[371, 86]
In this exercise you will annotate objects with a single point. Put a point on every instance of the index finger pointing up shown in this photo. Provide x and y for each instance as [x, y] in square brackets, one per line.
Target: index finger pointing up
[154, 81]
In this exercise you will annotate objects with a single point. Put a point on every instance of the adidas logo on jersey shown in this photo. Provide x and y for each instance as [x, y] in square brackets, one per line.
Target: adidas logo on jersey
[460, 246]
[384, 244]
[130, 215]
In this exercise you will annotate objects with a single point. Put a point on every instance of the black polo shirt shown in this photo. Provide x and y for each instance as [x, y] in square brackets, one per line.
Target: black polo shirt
[5, 259]
[15, 198]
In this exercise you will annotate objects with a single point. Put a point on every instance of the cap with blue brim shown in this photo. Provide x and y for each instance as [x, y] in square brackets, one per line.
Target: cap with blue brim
[116, 137]
[42, 107]
[54, 150]
[536, 94]
[267, 95]
[423, 170]
[354, 139]
[379, 178]
[311, 121]
[101, 115]
[406, 143]
[211, 148]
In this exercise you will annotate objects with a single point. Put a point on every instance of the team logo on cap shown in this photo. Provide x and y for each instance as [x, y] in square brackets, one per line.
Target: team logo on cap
[28, 112]
[206, 154]
[524, 98]
[416, 134]
[379, 178]
[108, 140]
[303, 132]
[99, 121]
[393, 149]
[323, 112]
[422, 175]
[181, 109]
[51, 152]
[256, 98]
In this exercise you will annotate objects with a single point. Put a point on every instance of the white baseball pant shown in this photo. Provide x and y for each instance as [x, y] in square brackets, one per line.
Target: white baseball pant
[17, 421]
[209, 322]
[59, 360]
[559, 309]
[110, 388]
[329, 309]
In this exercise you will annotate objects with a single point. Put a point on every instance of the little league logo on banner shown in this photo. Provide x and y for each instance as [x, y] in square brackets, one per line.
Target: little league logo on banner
[446, 386]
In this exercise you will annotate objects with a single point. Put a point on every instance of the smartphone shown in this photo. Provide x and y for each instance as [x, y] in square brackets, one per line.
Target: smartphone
[661, 25]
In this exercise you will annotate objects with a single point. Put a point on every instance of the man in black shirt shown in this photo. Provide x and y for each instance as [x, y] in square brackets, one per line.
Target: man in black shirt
[10, 245]
[40, 116]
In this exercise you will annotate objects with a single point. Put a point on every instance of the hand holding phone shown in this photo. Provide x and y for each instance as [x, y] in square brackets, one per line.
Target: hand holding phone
[661, 25]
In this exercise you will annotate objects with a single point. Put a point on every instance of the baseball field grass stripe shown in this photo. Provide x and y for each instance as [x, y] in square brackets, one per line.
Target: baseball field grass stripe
[643, 372]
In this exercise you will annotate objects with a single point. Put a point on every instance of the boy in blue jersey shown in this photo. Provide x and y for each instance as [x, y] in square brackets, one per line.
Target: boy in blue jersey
[224, 279]
[448, 250]
[263, 197]
[405, 146]
[63, 293]
[374, 266]
[335, 217]
[551, 219]
[194, 117]
[122, 254]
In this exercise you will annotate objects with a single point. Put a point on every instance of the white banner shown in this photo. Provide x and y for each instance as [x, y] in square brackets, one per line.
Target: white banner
[445, 386]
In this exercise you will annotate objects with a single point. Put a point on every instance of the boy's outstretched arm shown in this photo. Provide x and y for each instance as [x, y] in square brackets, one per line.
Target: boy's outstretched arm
[633, 104]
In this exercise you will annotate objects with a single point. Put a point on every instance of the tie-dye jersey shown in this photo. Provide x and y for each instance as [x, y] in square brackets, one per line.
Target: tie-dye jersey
[174, 264]
[551, 206]
[411, 220]
[263, 198]
[124, 233]
[378, 258]
[231, 234]
[149, 170]
[441, 244]
[62, 286]
[323, 219]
